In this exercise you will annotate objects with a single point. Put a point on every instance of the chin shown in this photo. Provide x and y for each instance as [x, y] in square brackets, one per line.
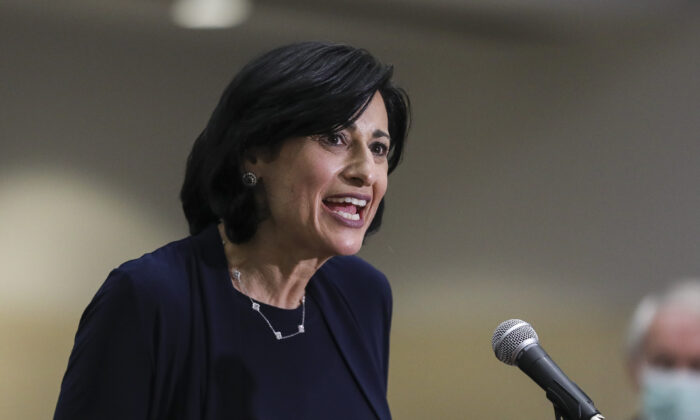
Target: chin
[347, 247]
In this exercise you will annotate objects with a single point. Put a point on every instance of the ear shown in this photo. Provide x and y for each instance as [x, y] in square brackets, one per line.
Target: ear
[251, 156]
[257, 160]
[251, 162]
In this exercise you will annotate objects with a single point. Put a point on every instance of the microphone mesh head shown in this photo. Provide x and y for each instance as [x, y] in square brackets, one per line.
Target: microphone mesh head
[508, 337]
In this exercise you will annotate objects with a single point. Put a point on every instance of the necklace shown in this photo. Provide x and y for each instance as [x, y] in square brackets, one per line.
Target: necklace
[236, 276]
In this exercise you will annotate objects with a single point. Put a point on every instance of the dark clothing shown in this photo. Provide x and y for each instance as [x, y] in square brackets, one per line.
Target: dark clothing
[168, 337]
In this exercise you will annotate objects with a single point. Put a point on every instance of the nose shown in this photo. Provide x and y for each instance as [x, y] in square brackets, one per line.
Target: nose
[360, 169]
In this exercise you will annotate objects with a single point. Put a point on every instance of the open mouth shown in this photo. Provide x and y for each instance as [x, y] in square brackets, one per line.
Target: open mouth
[349, 208]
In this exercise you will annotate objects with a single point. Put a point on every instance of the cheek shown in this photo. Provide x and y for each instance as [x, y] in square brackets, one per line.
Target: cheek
[309, 186]
[318, 174]
[384, 185]
[313, 180]
[381, 185]
[380, 188]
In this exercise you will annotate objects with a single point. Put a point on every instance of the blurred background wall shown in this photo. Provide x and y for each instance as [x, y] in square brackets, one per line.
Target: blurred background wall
[552, 175]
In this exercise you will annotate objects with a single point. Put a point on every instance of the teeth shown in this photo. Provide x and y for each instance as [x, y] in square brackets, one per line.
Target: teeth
[348, 215]
[354, 201]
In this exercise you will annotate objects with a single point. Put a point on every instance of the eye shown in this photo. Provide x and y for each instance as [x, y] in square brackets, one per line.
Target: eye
[332, 139]
[379, 149]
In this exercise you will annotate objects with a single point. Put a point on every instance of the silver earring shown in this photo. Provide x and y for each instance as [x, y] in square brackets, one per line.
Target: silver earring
[249, 179]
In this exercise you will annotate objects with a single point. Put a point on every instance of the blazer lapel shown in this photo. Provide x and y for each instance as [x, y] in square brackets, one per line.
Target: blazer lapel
[352, 346]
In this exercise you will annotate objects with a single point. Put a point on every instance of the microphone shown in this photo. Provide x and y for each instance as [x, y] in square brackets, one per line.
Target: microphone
[515, 342]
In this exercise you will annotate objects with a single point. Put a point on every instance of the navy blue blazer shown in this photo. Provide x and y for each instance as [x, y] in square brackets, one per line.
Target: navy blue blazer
[160, 305]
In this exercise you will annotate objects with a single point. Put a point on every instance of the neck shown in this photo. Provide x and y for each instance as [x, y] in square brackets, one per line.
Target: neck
[270, 273]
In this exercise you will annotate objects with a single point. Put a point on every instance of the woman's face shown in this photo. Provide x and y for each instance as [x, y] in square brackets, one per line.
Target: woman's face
[322, 192]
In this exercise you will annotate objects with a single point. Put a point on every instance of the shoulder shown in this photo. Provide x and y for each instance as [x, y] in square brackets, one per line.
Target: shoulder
[160, 274]
[357, 278]
[147, 294]
[154, 286]
[159, 263]
[364, 289]
[133, 333]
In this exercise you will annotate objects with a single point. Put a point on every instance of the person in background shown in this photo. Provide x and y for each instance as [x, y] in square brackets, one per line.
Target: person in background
[663, 353]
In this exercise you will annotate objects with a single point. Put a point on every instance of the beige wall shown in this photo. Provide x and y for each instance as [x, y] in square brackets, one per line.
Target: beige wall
[551, 175]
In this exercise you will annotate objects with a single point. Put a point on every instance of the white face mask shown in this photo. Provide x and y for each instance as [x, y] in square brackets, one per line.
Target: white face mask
[670, 394]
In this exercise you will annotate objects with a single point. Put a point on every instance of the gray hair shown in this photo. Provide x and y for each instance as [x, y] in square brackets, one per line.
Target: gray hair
[684, 294]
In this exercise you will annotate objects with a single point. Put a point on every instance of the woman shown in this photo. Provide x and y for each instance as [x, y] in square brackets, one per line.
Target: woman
[263, 313]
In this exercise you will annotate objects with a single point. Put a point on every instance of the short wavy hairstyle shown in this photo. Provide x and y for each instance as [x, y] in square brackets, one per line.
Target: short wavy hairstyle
[297, 90]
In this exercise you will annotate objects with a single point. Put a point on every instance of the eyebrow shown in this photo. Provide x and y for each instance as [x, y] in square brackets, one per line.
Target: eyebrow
[376, 134]
[379, 133]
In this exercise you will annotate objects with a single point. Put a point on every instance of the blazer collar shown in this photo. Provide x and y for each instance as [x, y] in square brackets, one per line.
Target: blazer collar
[353, 348]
